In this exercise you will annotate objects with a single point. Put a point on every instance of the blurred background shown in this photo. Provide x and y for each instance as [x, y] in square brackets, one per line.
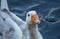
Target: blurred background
[48, 12]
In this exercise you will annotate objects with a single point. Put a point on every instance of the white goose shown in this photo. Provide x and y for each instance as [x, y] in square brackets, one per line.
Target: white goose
[32, 22]
[30, 27]
[8, 28]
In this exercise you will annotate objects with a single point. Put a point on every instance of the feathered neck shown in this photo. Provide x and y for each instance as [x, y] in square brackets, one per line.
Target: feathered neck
[4, 5]
[33, 30]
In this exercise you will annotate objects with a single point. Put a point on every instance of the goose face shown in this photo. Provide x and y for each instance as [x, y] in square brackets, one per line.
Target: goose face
[32, 17]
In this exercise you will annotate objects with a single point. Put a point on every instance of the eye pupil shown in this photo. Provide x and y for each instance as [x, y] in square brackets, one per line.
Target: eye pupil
[28, 14]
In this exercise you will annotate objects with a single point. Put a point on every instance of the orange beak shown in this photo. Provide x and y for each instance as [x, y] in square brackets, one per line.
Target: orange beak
[35, 19]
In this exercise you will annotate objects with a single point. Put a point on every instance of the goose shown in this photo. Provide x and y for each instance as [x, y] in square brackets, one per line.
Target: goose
[32, 22]
[8, 28]
[29, 27]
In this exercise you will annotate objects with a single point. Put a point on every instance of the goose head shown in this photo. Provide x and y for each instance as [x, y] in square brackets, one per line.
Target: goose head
[32, 17]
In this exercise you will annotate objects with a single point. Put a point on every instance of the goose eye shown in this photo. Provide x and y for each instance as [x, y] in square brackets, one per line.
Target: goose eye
[28, 14]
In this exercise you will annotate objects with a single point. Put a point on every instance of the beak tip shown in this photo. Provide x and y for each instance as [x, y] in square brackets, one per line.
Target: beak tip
[38, 22]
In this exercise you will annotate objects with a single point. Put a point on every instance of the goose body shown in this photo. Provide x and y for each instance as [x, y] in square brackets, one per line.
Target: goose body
[8, 28]
[30, 31]
[11, 29]
[28, 27]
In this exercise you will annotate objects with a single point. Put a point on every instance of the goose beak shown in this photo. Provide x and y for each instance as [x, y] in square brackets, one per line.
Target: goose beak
[35, 19]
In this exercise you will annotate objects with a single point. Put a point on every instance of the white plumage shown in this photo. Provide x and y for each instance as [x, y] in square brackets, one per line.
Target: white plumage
[14, 25]
[8, 28]
[24, 26]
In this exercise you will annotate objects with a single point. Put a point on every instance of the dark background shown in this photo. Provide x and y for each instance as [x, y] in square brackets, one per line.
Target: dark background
[48, 11]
